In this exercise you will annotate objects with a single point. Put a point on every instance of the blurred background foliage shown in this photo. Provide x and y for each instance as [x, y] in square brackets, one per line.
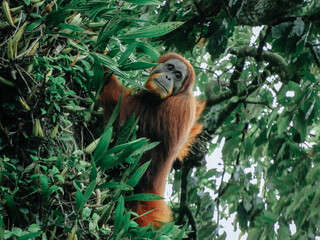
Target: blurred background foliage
[64, 175]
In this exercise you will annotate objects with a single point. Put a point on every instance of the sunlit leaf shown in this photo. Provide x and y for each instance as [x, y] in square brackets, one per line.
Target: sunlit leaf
[152, 31]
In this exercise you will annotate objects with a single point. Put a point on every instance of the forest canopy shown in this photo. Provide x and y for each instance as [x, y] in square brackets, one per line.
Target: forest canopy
[66, 174]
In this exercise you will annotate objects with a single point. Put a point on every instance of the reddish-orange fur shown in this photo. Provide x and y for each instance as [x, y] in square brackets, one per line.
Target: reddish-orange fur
[171, 119]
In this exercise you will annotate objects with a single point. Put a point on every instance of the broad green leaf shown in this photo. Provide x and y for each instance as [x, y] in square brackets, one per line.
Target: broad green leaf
[149, 50]
[300, 125]
[88, 193]
[283, 122]
[110, 64]
[33, 25]
[118, 185]
[313, 174]
[118, 217]
[127, 130]
[127, 53]
[103, 144]
[98, 72]
[121, 147]
[230, 146]
[104, 162]
[115, 113]
[144, 2]
[44, 185]
[146, 148]
[134, 179]
[298, 27]
[29, 236]
[93, 173]
[284, 233]
[152, 31]
[108, 30]
[79, 200]
[182, 232]
[268, 217]
[253, 234]
[137, 66]
[34, 227]
[143, 197]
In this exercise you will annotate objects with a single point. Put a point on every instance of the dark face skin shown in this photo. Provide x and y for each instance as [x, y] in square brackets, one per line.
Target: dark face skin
[173, 74]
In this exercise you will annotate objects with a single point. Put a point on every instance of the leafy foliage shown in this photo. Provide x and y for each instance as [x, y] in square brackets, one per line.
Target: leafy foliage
[257, 63]
[52, 62]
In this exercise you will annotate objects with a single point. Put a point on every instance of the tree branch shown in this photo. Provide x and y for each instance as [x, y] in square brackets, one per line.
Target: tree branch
[256, 83]
[184, 209]
[211, 99]
[270, 57]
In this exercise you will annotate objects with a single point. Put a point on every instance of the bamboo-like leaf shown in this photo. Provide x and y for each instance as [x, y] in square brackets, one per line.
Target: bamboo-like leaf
[93, 173]
[88, 193]
[103, 143]
[79, 200]
[143, 197]
[104, 162]
[128, 51]
[127, 130]
[44, 184]
[149, 50]
[118, 185]
[144, 2]
[152, 31]
[135, 178]
[137, 66]
[118, 217]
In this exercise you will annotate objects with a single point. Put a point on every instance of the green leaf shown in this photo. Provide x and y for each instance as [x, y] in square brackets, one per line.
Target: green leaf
[143, 197]
[127, 53]
[134, 179]
[118, 217]
[152, 31]
[268, 217]
[118, 185]
[34, 228]
[298, 27]
[44, 185]
[144, 2]
[115, 113]
[93, 173]
[253, 234]
[149, 50]
[33, 25]
[283, 122]
[127, 130]
[109, 63]
[313, 174]
[103, 144]
[98, 74]
[88, 193]
[137, 66]
[284, 233]
[300, 124]
[79, 200]
[105, 162]
[29, 236]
